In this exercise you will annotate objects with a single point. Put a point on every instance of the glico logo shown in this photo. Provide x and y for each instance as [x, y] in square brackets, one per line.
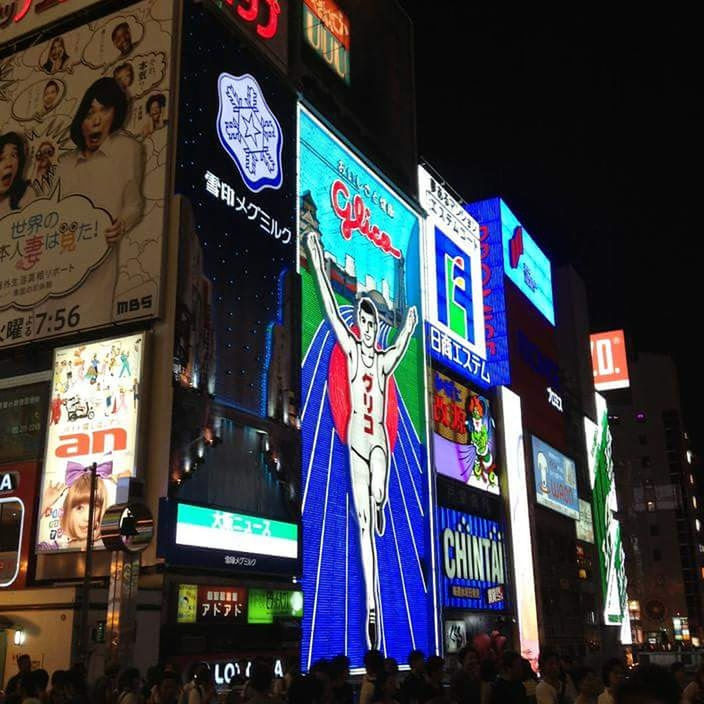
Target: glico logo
[454, 275]
[80, 444]
[355, 215]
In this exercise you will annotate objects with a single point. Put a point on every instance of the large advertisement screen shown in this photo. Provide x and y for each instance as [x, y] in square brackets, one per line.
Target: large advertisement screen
[83, 141]
[609, 360]
[368, 551]
[607, 530]
[521, 541]
[473, 560]
[93, 418]
[555, 479]
[454, 310]
[464, 439]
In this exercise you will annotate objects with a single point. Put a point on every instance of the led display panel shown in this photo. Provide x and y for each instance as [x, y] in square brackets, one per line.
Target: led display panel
[454, 303]
[464, 438]
[555, 479]
[96, 395]
[367, 523]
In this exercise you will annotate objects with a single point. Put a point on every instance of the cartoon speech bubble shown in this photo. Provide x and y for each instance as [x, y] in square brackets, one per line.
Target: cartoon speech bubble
[139, 74]
[39, 99]
[49, 247]
[103, 50]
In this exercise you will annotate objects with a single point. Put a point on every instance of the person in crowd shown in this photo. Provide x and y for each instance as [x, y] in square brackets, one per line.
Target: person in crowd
[648, 684]
[612, 674]
[169, 688]
[13, 186]
[105, 686]
[530, 680]
[693, 693]
[321, 673]
[261, 681]
[57, 56]
[342, 692]
[433, 679]
[567, 667]
[129, 686]
[587, 684]
[122, 38]
[24, 662]
[200, 689]
[466, 685]
[508, 687]
[550, 689]
[413, 686]
[40, 678]
[60, 692]
[374, 666]
[680, 674]
[385, 686]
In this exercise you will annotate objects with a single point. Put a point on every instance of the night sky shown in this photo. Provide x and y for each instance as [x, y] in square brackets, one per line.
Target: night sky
[584, 123]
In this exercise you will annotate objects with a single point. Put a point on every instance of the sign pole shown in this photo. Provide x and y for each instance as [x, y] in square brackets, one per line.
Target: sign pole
[84, 635]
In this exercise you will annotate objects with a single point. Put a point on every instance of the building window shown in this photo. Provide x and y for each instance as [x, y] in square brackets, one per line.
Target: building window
[656, 556]
[641, 417]
[702, 572]
[645, 461]
[650, 505]
[694, 501]
[654, 530]
[643, 439]
[698, 524]
[691, 479]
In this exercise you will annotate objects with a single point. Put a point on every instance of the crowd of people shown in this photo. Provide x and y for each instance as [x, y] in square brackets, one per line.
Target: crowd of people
[507, 679]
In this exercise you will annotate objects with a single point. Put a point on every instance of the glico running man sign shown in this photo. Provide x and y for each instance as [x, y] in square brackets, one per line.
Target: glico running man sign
[367, 553]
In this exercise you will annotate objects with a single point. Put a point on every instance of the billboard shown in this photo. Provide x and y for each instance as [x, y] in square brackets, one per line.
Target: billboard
[607, 530]
[20, 18]
[267, 605]
[96, 394]
[84, 144]
[454, 304]
[555, 479]
[237, 167]
[473, 561]
[214, 536]
[609, 361]
[367, 523]
[464, 438]
[521, 543]
[201, 603]
[585, 526]
[326, 29]
[523, 261]
[22, 421]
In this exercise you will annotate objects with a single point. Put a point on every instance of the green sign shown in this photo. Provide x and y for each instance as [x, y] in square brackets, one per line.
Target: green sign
[267, 605]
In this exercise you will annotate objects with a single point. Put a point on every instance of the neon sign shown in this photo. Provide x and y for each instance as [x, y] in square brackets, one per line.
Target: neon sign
[327, 29]
[18, 17]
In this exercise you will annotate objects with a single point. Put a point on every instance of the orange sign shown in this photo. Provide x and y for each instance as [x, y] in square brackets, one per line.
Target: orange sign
[609, 360]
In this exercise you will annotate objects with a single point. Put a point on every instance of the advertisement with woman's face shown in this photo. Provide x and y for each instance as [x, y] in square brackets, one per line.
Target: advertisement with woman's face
[83, 161]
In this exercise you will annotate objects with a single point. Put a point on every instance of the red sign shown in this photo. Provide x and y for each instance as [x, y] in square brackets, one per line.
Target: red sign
[609, 362]
[18, 491]
[221, 604]
[18, 17]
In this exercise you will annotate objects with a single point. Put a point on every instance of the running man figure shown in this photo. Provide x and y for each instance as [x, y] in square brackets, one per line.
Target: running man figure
[368, 370]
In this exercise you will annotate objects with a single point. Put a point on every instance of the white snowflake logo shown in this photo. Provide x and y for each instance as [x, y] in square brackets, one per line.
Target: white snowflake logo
[249, 132]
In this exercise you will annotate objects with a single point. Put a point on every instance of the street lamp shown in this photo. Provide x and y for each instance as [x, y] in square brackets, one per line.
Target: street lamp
[20, 636]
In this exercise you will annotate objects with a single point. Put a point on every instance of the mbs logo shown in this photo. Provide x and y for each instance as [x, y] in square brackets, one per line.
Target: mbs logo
[454, 287]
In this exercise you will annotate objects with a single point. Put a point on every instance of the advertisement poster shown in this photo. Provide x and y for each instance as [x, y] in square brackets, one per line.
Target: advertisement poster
[83, 157]
[368, 552]
[93, 417]
[237, 167]
[268, 605]
[473, 560]
[607, 530]
[609, 360]
[211, 604]
[464, 440]
[454, 310]
[555, 479]
[326, 29]
[585, 527]
[22, 422]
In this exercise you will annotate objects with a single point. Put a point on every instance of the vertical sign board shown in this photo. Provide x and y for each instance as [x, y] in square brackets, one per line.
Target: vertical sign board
[96, 394]
[495, 326]
[607, 530]
[84, 123]
[609, 361]
[453, 284]
[237, 167]
[464, 438]
[523, 578]
[326, 28]
[367, 524]
[473, 562]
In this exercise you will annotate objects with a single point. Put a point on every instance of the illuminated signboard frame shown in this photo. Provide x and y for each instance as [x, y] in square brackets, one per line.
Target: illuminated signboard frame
[585, 524]
[609, 360]
[189, 534]
[555, 479]
[473, 564]
[327, 31]
[454, 301]
[265, 606]
[607, 530]
[378, 255]
[207, 603]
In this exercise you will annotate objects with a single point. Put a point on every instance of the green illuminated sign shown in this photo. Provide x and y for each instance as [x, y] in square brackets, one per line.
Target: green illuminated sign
[267, 605]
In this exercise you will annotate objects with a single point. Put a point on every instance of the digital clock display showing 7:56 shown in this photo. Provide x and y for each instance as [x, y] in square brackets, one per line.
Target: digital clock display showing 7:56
[18, 328]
